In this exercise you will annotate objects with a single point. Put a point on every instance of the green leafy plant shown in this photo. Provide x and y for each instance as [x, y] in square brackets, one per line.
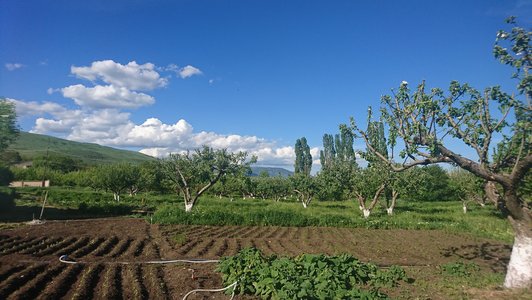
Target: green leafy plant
[459, 268]
[307, 276]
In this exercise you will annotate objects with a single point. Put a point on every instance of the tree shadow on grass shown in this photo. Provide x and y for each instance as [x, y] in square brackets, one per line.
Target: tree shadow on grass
[28, 213]
[425, 210]
[496, 256]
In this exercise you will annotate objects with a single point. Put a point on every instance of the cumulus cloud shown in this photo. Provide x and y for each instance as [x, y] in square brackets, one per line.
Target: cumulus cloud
[13, 66]
[131, 76]
[108, 96]
[33, 108]
[189, 71]
[113, 127]
[100, 117]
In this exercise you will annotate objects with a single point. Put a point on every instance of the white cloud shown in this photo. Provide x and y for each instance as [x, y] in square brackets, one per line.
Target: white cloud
[108, 96]
[112, 127]
[131, 76]
[189, 71]
[62, 127]
[36, 109]
[13, 66]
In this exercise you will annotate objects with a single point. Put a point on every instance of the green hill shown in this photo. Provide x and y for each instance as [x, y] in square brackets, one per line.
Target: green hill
[31, 145]
[272, 171]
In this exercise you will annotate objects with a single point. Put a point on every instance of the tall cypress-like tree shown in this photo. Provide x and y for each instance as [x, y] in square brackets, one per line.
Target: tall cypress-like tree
[337, 149]
[303, 163]
[328, 154]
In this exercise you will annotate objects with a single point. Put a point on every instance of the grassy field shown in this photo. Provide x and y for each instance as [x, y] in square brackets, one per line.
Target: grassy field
[484, 222]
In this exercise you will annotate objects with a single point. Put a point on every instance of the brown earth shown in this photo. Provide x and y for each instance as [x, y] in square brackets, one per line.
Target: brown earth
[110, 255]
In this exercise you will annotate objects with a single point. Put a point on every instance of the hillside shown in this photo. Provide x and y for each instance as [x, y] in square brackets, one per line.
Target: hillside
[255, 171]
[31, 145]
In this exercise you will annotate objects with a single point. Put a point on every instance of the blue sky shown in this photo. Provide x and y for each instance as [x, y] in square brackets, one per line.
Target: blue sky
[163, 76]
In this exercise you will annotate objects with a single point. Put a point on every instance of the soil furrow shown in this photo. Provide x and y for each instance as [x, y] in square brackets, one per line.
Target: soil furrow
[218, 231]
[11, 271]
[203, 248]
[82, 242]
[213, 250]
[87, 283]
[121, 248]
[93, 244]
[222, 249]
[33, 288]
[63, 243]
[238, 233]
[106, 247]
[156, 286]
[22, 246]
[183, 250]
[272, 232]
[43, 245]
[5, 242]
[61, 284]
[16, 280]
[111, 286]
[251, 231]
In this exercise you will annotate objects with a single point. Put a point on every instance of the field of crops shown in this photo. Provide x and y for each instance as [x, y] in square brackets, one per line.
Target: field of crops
[111, 255]
[425, 238]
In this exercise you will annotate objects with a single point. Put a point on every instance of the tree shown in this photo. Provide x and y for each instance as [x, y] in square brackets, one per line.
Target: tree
[328, 154]
[193, 173]
[8, 124]
[304, 186]
[115, 178]
[303, 162]
[61, 163]
[427, 122]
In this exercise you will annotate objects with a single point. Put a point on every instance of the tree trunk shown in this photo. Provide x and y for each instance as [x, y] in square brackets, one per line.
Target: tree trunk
[366, 212]
[188, 207]
[491, 193]
[389, 210]
[519, 272]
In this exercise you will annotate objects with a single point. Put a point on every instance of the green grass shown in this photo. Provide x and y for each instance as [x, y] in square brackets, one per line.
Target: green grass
[481, 222]
[484, 222]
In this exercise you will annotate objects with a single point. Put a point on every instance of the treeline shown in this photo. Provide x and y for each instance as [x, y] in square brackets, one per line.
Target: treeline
[340, 179]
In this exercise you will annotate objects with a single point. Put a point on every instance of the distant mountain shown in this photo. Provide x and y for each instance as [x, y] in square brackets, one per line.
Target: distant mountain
[256, 171]
[31, 145]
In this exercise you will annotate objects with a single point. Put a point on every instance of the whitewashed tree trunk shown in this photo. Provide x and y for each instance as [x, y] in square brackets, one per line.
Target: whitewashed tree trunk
[188, 207]
[464, 207]
[519, 273]
[366, 212]
[304, 204]
[389, 210]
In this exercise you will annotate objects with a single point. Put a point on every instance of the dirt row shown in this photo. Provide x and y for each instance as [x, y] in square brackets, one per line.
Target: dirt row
[111, 255]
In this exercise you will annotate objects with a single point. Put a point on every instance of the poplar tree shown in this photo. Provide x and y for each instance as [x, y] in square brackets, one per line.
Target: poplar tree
[303, 163]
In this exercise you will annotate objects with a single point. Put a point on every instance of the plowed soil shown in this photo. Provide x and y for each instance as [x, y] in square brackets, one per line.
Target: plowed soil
[111, 255]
